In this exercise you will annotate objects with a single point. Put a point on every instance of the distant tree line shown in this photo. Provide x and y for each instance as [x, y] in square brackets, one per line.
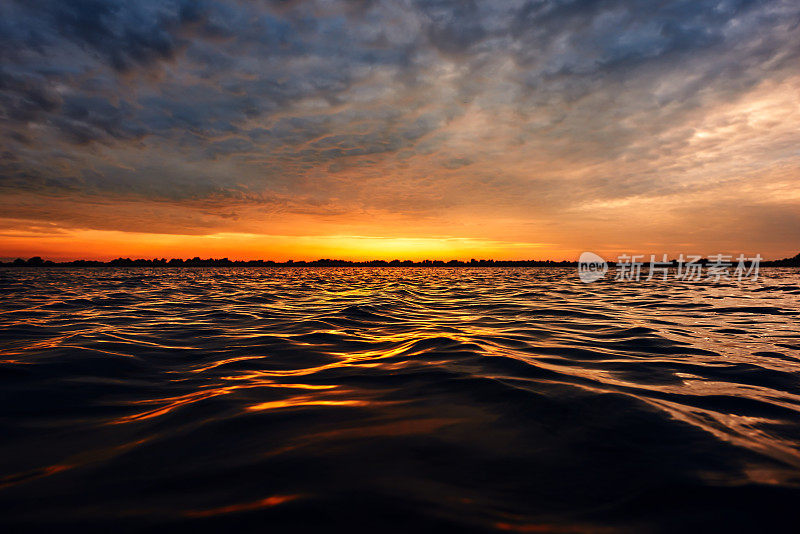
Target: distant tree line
[785, 262]
[37, 261]
[225, 262]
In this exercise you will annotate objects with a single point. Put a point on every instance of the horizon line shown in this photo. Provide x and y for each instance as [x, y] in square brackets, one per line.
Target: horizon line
[38, 261]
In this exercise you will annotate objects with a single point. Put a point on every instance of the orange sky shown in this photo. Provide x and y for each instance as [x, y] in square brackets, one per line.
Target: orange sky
[409, 134]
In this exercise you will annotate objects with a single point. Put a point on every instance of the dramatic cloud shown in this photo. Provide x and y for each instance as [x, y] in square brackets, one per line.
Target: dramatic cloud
[610, 125]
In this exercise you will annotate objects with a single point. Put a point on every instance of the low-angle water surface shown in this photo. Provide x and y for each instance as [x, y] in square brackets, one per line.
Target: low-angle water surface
[516, 400]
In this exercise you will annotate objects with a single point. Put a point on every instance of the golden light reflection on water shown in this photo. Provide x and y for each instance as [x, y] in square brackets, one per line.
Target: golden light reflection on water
[18, 478]
[269, 367]
[304, 400]
[399, 351]
[267, 502]
[170, 404]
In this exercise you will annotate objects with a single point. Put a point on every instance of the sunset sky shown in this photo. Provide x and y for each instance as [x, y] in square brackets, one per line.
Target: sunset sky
[398, 129]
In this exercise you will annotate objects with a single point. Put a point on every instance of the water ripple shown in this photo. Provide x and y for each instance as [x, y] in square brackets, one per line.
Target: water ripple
[468, 399]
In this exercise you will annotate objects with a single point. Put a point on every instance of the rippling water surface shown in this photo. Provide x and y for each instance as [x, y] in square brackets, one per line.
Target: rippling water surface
[394, 400]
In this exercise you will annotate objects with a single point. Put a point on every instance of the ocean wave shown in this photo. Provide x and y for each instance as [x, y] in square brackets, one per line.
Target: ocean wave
[469, 399]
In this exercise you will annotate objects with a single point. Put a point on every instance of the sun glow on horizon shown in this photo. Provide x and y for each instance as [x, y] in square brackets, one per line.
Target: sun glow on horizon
[497, 131]
[106, 245]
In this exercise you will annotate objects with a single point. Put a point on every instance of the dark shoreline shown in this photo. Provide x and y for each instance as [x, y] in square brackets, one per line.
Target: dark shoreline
[225, 262]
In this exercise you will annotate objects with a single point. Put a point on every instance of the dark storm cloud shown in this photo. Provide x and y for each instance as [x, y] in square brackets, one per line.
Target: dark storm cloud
[519, 103]
[124, 34]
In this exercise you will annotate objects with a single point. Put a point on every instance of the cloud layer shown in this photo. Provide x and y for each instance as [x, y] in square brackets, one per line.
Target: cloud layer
[614, 125]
